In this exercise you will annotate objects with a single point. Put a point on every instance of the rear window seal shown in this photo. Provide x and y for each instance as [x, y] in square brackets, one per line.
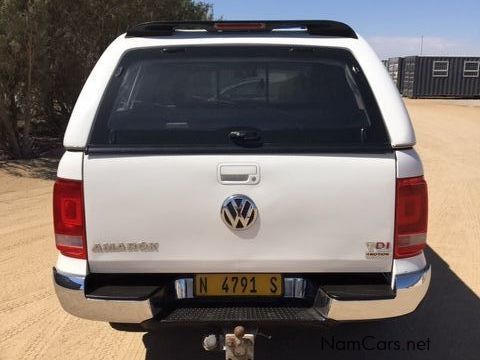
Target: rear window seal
[127, 150]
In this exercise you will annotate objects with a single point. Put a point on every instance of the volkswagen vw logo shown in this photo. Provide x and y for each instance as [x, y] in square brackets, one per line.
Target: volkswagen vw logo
[239, 212]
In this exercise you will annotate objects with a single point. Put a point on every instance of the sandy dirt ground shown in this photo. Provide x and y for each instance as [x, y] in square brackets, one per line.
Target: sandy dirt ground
[33, 326]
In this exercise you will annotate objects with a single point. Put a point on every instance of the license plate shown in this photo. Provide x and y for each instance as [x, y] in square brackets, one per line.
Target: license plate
[238, 285]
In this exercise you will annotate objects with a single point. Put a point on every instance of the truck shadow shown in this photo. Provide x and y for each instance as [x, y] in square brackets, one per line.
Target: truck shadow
[446, 326]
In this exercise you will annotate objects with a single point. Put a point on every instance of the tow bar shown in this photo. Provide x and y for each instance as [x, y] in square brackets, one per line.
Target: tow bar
[237, 346]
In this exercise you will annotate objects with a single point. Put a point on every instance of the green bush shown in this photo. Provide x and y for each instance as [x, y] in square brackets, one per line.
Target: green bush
[48, 48]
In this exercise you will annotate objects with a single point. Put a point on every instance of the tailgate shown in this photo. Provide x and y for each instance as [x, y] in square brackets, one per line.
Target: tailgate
[316, 213]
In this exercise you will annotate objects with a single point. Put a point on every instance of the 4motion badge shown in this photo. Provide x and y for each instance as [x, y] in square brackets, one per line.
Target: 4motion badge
[377, 250]
[239, 212]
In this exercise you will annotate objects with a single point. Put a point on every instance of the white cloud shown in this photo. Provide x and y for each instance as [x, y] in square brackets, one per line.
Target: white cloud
[387, 47]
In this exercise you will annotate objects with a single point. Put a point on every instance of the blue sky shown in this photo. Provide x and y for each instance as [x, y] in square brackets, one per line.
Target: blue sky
[393, 28]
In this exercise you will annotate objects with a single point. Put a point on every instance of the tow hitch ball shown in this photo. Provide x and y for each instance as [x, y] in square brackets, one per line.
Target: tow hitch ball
[237, 346]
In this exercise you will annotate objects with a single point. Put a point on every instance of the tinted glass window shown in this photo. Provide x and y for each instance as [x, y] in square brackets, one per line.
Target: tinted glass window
[239, 98]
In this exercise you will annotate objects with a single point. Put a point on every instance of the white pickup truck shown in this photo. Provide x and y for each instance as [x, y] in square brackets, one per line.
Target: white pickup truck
[240, 173]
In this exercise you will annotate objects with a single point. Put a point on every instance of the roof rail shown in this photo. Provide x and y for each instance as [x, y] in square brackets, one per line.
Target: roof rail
[313, 27]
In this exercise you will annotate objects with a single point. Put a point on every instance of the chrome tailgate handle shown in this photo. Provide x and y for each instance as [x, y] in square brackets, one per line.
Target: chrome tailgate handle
[231, 174]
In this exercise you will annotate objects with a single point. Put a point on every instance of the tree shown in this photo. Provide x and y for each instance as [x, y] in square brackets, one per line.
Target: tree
[47, 50]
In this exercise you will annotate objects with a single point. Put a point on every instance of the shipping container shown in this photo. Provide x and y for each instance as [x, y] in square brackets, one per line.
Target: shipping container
[395, 69]
[441, 76]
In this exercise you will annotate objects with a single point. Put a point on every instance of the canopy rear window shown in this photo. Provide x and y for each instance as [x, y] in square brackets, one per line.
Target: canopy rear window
[239, 99]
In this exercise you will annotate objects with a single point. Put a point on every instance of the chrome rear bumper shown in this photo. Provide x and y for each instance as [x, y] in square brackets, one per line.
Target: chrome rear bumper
[410, 290]
[70, 292]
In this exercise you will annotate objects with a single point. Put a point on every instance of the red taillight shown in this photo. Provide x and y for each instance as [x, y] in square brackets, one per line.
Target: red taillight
[68, 218]
[240, 26]
[411, 216]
